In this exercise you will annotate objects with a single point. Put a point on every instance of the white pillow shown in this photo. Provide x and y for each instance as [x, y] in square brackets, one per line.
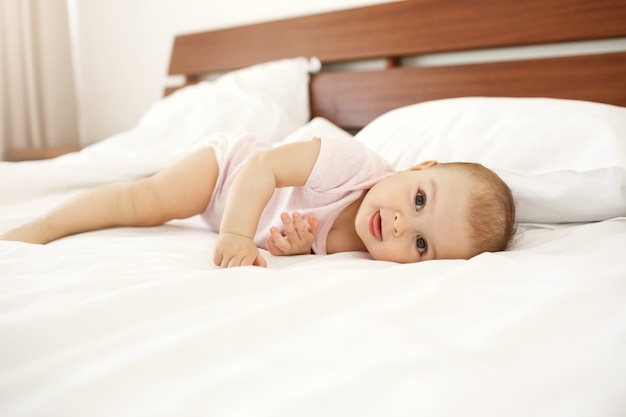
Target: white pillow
[564, 160]
[318, 127]
[270, 99]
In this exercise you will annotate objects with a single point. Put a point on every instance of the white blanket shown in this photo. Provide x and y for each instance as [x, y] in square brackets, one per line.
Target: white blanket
[138, 322]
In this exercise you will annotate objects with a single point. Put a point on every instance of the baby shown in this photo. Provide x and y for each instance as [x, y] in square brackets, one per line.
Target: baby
[319, 196]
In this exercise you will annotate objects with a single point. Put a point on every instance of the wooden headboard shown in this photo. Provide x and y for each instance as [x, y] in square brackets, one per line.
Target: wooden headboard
[395, 32]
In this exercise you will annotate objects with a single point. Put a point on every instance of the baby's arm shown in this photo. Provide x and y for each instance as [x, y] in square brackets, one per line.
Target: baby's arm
[180, 191]
[285, 166]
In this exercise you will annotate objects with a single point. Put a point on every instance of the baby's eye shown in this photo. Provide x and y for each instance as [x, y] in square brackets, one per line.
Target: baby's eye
[420, 200]
[422, 246]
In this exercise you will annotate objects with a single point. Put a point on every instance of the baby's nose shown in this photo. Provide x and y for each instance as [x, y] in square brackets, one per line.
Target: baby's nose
[399, 224]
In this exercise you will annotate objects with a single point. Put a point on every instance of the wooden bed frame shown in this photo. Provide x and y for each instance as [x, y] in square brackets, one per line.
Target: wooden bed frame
[393, 32]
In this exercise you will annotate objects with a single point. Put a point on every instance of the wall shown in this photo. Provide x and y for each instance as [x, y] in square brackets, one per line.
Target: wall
[121, 49]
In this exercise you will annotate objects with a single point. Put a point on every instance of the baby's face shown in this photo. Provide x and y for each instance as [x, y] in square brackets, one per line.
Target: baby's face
[417, 215]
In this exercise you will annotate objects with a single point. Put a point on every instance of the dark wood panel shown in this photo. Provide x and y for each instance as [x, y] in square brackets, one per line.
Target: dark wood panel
[29, 154]
[352, 99]
[399, 29]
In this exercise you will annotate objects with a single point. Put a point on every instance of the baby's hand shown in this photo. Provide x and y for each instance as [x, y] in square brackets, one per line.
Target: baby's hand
[235, 250]
[298, 238]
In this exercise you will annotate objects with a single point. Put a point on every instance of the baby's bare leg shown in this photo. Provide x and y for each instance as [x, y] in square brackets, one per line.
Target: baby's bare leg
[180, 191]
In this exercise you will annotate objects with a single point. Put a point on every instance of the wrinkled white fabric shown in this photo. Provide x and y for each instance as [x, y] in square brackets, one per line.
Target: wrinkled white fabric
[138, 322]
[270, 99]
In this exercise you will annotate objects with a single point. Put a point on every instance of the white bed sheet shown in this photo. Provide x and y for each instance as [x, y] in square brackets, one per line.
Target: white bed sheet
[138, 322]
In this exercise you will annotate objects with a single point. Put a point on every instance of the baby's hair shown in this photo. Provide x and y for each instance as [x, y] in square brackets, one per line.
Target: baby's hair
[491, 209]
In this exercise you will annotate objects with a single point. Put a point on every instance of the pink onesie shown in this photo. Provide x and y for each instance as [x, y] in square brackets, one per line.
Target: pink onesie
[343, 170]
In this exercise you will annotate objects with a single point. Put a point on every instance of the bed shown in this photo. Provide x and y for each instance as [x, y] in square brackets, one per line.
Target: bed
[138, 322]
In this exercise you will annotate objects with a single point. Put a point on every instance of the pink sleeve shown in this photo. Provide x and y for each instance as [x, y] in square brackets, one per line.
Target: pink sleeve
[344, 164]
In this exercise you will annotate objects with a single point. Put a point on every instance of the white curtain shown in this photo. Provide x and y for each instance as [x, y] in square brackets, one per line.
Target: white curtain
[37, 101]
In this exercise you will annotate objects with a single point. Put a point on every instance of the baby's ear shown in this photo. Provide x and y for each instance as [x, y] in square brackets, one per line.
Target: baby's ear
[423, 165]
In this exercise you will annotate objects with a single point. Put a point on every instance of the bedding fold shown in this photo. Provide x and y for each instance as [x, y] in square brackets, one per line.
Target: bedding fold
[269, 100]
[134, 322]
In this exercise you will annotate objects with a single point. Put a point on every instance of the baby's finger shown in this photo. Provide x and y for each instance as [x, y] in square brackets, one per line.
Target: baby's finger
[288, 226]
[224, 261]
[260, 261]
[278, 244]
[229, 262]
[245, 260]
[217, 258]
[299, 223]
[313, 223]
[270, 243]
[282, 243]
[271, 247]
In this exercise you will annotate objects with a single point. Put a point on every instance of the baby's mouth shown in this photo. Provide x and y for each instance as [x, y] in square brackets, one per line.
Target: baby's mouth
[376, 225]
